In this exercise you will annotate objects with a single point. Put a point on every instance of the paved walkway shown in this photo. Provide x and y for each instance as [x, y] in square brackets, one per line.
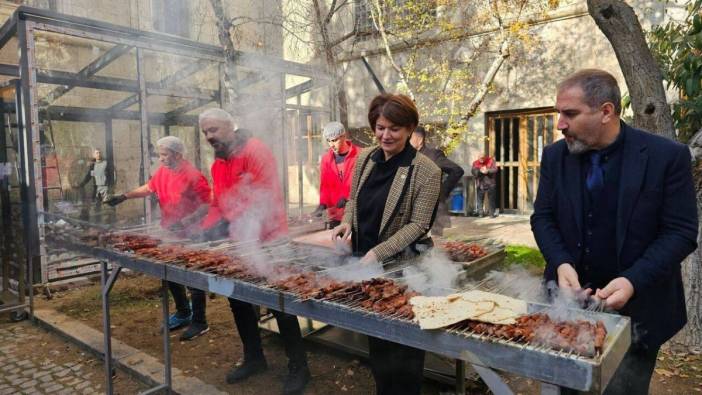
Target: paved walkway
[25, 372]
[508, 229]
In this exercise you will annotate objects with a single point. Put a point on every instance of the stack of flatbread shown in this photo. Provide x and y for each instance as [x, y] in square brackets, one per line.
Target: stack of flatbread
[434, 312]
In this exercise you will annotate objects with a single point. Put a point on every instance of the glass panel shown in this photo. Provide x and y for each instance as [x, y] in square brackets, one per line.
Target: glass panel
[506, 139]
[498, 140]
[530, 138]
[515, 187]
[515, 139]
[549, 129]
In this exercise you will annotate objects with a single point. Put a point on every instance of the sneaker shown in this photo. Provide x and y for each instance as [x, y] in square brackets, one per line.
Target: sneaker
[296, 380]
[176, 322]
[194, 330]
[246, 370]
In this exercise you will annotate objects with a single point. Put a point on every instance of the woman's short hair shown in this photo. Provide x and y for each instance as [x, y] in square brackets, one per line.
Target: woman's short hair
[398, 109]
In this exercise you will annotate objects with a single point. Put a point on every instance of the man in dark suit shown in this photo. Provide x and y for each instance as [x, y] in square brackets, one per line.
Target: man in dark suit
[616, 213]
[451, 174]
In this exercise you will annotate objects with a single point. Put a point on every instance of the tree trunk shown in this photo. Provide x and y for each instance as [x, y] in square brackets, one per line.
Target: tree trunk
[224, 34]
[620, 25]
[477, 100]
[691, 335]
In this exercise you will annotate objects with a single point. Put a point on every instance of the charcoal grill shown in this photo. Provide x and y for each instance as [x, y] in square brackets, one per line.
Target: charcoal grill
[554, 368]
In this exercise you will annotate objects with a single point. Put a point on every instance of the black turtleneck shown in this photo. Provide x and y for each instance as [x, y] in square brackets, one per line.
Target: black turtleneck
[370, 203]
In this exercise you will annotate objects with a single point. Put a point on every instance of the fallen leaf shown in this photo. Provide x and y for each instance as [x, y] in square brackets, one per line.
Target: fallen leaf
[664, 372]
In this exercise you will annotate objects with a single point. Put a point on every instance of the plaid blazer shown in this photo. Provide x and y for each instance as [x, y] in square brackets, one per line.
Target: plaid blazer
[410, 207]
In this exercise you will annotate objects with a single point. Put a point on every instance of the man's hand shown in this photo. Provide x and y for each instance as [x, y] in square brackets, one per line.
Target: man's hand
[341, 203]
[342, 231]
[617, 293]
[484, 170]
[568, 277]
[115, 200]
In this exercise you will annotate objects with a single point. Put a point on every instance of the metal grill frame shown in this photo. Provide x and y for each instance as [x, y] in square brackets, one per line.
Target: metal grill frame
[539, 363]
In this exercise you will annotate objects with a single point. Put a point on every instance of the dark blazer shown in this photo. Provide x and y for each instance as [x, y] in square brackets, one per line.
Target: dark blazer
[451, 174]
[656, 225]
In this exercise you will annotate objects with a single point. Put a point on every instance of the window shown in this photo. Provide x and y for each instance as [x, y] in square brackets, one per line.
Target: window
[362, 17]
[171, 16]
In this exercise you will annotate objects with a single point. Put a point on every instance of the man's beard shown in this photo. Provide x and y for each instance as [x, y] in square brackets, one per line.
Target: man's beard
[221, 150]
[577, 146]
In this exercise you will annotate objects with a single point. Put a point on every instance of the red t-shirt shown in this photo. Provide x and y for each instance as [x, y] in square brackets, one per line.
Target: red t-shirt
[335, 180]
[180, 192]
[246, 192]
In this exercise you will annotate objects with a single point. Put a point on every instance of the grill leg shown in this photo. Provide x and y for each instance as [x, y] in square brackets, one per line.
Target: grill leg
[166, 334]
[493, 381]
[107, 283]
[460, 377]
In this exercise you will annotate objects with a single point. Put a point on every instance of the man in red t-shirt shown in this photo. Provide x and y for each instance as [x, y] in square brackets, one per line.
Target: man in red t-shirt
[183, 195]
[335, 173]
[248, 205]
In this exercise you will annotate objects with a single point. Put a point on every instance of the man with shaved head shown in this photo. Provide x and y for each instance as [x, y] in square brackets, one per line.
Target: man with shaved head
[614, 216]
[183, 196]
[248, 205]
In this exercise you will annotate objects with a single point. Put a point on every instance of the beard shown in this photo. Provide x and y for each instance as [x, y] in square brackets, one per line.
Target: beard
[221, 150]
[577, 146]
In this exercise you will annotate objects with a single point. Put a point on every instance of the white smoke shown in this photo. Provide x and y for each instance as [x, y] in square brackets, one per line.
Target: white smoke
[434, 274]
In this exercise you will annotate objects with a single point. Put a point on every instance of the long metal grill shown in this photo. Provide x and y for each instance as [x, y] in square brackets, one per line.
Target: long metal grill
[562, 367]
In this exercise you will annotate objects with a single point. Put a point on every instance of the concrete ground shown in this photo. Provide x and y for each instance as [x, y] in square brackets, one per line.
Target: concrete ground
[508, 229]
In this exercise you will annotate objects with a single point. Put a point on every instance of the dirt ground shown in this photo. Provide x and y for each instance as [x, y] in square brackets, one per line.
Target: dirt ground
[136, 318]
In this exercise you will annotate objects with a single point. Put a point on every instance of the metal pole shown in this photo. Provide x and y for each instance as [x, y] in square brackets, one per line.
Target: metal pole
[106, 328]
[145, 135]
[107, 284]
[460, 377]
[166, 334]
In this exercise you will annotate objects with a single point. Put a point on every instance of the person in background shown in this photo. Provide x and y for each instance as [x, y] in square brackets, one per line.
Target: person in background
[184, 196]
[336, 170]
[615, 215]
[391, 208]
[99, 173]
[484, 170]
[248, 205]
[451, 173]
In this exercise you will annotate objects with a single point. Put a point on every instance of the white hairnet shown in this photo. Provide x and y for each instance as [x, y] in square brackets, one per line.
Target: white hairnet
[333, 130]
[172, 143]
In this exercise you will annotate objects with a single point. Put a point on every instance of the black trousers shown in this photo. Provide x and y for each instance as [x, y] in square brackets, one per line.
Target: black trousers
[633, 376]
[397, 369]
[246, 321]
[180, 298]
[492, 194]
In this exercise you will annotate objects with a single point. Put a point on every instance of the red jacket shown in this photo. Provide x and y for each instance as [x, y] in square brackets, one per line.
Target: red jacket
[247, 193]
[485, 181]
[334, 186]
[180, 192]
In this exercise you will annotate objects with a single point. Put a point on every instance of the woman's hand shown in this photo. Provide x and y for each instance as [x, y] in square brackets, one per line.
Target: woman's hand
[342, 231]
[369, 259]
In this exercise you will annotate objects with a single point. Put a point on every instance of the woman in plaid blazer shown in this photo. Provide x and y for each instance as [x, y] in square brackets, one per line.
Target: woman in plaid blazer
[394, 195]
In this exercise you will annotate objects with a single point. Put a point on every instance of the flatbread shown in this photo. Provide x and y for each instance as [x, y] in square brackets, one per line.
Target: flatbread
[442, 311]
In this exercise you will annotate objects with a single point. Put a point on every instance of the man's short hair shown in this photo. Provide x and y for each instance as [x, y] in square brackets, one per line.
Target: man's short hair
[171, 143]
[218, 114]
[598, 87]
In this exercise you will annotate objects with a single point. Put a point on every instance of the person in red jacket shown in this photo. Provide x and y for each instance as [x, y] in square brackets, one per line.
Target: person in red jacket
[248, 205]
[336, 171]
[183, 196]
[484, 170]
